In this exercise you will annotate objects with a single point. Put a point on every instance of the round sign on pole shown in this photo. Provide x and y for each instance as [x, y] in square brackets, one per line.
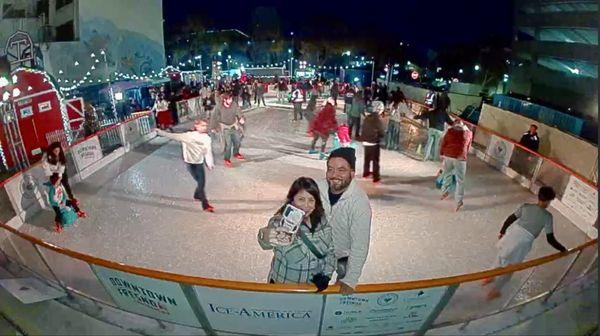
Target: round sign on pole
[414, 75]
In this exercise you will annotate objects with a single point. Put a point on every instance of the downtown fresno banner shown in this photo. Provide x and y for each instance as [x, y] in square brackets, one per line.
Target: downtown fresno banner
[155, 298]
[260, 313]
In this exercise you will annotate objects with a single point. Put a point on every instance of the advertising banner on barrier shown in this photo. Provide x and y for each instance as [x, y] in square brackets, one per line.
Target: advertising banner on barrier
[500, 150]
[582, 199]
[379, 313]
[155, 298]
[87, 152]
[260, 313]
[131, 132]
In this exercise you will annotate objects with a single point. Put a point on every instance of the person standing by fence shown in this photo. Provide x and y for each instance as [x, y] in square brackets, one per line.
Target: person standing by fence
[437, 118]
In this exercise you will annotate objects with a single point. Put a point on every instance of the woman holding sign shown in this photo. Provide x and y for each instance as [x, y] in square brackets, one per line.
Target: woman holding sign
[300, 238]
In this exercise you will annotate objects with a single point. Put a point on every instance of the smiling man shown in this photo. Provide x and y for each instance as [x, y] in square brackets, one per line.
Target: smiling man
[348, 212]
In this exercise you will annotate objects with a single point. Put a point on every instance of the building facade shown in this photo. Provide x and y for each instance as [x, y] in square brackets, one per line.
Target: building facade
[89, 41]
[555, 54]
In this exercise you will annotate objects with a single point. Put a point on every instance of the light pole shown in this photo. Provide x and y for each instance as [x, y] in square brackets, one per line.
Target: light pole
[372, 69]
[110, 87]
[291, 63]
[199, 58]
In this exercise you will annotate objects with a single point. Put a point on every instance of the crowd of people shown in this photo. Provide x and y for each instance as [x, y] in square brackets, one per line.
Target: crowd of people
[333, 235]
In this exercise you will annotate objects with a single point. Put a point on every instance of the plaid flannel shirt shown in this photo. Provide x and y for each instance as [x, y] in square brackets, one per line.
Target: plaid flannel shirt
[296, 263]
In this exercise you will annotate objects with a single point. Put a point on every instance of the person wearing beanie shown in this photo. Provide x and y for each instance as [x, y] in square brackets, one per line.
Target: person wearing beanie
[371, 135]
[321, 126]
[348, 212]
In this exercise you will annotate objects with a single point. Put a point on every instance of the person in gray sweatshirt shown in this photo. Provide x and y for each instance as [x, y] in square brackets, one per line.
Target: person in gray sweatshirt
[227, 118]
[348, 211]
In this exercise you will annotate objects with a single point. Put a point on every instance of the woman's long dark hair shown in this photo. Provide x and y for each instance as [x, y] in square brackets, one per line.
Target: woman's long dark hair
[308, 184]
[53, 159]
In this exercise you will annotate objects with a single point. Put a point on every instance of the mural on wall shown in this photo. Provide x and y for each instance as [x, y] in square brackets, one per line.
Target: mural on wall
[126, 52]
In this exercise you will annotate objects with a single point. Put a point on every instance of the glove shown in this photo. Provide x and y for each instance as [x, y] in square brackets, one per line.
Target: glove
[321, 281]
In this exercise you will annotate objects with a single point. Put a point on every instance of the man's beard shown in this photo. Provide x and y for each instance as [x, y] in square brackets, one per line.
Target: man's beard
[338, 186]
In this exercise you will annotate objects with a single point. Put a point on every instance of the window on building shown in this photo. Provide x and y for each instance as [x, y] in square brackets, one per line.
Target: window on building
[61, 3]
[65, 32]
[526, 34]
[573, 67]
[569, 35]
[557, 7]
[9, 11]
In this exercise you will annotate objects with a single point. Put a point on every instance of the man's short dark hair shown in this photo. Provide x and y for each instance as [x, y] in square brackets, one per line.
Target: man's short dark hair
[534, 126]
[546, 194]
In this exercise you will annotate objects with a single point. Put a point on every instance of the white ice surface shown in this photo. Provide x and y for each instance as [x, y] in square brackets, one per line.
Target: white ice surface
[141, 211]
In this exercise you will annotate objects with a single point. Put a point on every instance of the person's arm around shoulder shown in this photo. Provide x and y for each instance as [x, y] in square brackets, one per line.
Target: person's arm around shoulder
[360, 227]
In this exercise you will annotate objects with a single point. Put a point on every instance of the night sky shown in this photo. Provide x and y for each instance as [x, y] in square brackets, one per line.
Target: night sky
[428, 23]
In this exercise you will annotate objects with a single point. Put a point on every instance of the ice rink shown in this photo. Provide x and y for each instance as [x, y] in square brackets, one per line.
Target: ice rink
[141, 211]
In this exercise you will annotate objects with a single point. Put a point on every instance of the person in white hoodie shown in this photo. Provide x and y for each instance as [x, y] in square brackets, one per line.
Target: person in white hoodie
[297, 99]
[197, 151]
[54, 161]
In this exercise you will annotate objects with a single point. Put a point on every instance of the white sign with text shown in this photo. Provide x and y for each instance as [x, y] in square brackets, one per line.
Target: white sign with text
[379, 313]
[87, 152]
[581, 198]
[260, 313]
[155, 298]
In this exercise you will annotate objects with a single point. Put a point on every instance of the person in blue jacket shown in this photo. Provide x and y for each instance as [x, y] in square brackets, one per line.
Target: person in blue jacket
[66, 211]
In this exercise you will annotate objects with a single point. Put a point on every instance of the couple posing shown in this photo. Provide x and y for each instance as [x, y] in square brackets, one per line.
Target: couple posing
[334, 233]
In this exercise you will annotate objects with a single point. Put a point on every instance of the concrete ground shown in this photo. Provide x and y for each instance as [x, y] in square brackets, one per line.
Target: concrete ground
[141, 211]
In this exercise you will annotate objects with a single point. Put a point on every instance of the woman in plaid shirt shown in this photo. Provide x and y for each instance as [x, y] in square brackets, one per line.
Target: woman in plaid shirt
[309, 258]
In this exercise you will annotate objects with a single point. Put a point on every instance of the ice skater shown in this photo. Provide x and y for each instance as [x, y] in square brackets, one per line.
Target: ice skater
[65, 209]
[197, 152]
[516, 240]
[226, 119]
[371, 134]
[454, 150]
[321, 126]
[297, 99]
[55, 162]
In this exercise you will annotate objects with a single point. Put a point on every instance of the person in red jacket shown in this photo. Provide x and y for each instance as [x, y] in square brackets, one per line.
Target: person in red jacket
[321, 126]
[454, 149]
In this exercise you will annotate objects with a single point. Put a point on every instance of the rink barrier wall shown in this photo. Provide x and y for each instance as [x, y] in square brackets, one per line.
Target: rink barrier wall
[25, 190]
[215, 305]
[577, 196]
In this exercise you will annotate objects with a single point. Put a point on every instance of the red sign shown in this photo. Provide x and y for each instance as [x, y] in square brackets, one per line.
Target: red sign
[414, 75]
